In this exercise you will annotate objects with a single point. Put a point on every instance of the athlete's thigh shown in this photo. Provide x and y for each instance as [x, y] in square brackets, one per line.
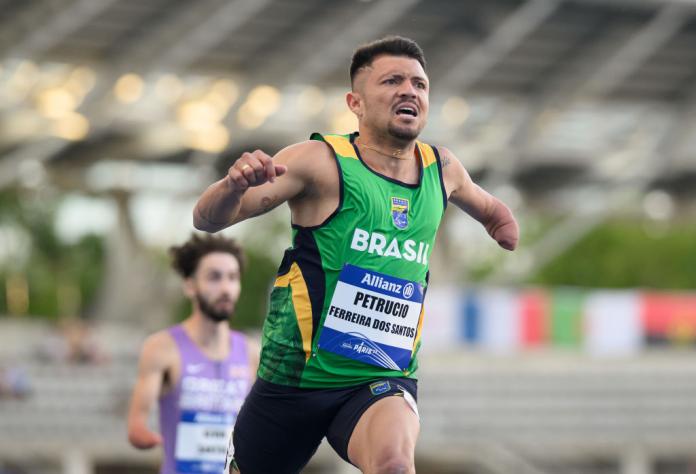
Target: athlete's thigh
[388, 430]
[278, 429]
[380, 417]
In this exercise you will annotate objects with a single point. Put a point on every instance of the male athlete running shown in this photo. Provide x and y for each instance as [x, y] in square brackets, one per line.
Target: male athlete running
[199, 370]
[344, 325]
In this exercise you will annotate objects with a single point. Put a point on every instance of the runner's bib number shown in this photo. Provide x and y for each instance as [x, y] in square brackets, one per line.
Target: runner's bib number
[201, 441]
[373, 318]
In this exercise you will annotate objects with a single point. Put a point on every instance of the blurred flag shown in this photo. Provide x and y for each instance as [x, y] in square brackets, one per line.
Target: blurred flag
[534, 314]
[669, 318]
[566, 317]
[602, 322]
[612, 323]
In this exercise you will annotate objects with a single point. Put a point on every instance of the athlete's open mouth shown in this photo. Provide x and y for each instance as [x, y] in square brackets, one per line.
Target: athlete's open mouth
[407, 109]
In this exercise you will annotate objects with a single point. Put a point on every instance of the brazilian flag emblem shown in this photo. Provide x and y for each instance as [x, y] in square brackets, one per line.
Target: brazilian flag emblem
[399, 212]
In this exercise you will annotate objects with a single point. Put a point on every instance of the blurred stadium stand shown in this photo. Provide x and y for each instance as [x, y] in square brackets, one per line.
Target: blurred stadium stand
[557, 92]
[542, 412]
[538, 415]
[580, 108]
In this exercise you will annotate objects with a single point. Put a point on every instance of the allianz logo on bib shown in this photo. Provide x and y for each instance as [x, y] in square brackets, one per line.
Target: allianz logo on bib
[409, 288]
[374, 242]
[377, 281]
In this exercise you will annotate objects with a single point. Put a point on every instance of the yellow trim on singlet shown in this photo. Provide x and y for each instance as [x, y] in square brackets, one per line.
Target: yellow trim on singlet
[419, 328]
[341, 146]
[301, 303]
[427, 154]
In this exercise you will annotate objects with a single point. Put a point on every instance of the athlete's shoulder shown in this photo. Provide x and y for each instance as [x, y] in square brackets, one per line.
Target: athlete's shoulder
[162, 337]
[445, 153]
[456, 178]
[323, 137]
[307, 149]
[449, 162]
[310, 161]
[340, 145]
[159, 349]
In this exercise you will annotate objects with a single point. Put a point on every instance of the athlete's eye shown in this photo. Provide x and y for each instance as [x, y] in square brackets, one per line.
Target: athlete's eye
[214, 276]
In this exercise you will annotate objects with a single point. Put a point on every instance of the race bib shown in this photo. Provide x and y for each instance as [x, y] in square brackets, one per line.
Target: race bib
[201, 441]
[373, 318]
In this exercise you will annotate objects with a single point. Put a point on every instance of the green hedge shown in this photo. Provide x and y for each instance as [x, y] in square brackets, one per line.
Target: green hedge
[628, 254]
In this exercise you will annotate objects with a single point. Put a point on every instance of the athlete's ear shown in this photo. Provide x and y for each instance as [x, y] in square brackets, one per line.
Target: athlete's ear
[355, 103]
[189, 287]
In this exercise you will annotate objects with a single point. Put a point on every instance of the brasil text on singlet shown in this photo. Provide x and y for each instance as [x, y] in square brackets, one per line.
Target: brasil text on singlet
[347, 305]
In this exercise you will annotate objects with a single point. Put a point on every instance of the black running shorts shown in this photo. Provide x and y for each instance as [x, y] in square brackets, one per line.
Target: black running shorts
[279, 428]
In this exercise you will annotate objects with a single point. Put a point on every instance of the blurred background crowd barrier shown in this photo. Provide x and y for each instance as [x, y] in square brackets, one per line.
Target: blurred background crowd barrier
[573, 355]
[598, 323]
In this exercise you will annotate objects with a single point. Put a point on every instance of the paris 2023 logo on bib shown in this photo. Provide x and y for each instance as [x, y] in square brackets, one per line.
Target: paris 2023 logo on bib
[399, 212]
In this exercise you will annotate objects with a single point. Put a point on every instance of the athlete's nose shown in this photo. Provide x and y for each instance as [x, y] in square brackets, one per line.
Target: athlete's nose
[228, 289]
[407, 89]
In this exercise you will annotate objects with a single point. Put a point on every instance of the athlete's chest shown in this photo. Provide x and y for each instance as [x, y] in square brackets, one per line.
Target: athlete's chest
[403, 212]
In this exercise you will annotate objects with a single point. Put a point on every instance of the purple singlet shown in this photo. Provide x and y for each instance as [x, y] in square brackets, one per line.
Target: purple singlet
[197, 416]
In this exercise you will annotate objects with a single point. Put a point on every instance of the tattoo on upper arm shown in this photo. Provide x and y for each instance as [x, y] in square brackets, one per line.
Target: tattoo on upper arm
[267, 203]
[445, 161]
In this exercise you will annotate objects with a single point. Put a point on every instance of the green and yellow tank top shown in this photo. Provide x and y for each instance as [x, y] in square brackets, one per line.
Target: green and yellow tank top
[347, 305]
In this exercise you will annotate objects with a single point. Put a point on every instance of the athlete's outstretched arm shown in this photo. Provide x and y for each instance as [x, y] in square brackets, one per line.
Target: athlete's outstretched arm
[255, 184]
[495, 216]
[148, 387]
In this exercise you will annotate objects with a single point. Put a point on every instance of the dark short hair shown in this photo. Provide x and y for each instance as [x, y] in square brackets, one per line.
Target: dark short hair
[390, 45]
[186, 257]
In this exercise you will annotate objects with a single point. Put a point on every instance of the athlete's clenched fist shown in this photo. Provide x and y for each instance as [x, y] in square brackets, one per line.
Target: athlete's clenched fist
[254, 169]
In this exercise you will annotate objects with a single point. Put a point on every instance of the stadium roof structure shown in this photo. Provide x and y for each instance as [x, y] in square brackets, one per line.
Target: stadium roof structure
[575, 105]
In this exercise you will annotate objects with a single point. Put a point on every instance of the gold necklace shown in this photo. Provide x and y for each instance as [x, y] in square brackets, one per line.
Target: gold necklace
[395, 154]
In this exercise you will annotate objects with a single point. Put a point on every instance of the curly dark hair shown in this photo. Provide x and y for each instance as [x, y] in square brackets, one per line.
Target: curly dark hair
[185, 258]
[391, 45]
